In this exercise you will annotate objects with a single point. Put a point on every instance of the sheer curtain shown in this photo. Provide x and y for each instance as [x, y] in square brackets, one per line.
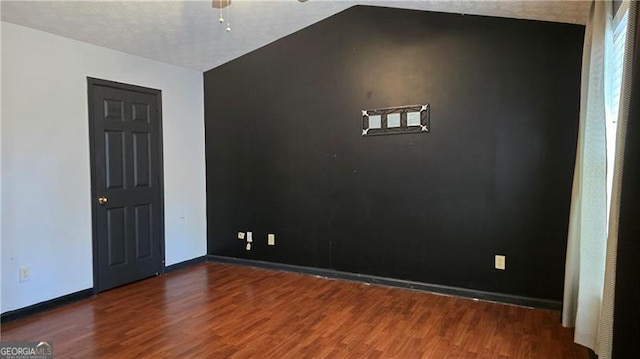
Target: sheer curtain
[588, 304]
[586, 245]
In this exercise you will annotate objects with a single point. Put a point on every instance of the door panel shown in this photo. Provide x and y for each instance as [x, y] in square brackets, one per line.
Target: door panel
[116, 235]
[143, 231]
[127, 183]
[113, 109]
[141, 159]
[140, 112]
[114, 161]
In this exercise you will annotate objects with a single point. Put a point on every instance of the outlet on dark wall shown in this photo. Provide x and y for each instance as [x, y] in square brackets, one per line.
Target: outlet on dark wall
[285, 153]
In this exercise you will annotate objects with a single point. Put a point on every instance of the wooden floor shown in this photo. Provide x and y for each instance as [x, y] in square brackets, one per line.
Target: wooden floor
[224, 311]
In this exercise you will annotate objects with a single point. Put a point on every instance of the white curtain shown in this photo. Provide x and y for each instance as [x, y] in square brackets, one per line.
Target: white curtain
[586, 244]
[588, 304]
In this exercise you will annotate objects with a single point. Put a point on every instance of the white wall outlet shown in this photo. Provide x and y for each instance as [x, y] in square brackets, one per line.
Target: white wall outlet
[500, 262]
[240, 235]
[25, 274]
[271, 239]
[249, 237]
[248, 247]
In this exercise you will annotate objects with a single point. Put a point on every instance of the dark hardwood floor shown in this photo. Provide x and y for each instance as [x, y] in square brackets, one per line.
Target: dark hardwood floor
[224, 311]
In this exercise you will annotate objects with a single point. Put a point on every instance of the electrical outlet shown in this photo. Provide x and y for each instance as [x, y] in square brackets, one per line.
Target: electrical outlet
[271, 239]
[248, 247]
[25, 274]
[249, 237]
[500, 262]
[240, 235]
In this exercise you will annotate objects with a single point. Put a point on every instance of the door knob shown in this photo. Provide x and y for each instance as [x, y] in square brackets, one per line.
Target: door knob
[102, 200]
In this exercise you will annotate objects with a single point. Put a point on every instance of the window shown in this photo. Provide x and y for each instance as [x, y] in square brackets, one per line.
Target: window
[614, 66]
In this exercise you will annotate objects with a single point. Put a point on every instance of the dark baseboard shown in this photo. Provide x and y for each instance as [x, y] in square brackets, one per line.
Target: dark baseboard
[185, 264]
[46, 305]
[399, 283]
[323, 272]
[83, 294]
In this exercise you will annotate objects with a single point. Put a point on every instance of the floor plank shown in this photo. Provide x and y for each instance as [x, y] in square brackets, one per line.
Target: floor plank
[225, 311]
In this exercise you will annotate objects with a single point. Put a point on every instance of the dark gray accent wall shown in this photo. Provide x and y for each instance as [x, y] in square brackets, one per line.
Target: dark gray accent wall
[285, 153]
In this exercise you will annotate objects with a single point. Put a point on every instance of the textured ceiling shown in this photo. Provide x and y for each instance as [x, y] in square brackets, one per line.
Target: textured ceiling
[188, 34]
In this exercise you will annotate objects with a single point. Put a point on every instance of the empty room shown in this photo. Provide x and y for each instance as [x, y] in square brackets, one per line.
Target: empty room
[319, 179]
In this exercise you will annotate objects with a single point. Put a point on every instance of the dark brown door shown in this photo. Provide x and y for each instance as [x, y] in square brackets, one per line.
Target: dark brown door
[126, 153]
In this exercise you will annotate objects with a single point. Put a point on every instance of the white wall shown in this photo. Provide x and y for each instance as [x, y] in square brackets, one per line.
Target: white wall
[46, 189]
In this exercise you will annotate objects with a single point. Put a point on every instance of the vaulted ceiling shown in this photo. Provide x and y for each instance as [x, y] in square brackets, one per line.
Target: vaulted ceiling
[188, 34]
